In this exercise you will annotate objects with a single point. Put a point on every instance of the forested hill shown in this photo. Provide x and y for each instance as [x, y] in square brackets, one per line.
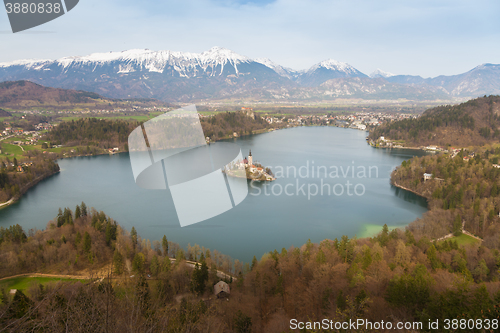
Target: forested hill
[22, 95]
[4, 113]
[101, 133]
[395, 277]
[225, 124]
[29, 93]
[473, 123]
[106, 133]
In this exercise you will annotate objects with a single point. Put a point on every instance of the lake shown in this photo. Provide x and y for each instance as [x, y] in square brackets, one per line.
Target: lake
[357, 197]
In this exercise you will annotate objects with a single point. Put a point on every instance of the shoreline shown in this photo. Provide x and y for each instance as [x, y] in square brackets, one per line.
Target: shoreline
[407, 189]
[25, 189]
[262, 131]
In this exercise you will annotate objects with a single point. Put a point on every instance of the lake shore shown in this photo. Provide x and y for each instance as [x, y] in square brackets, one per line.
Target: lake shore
[25, 188]
[409, 190]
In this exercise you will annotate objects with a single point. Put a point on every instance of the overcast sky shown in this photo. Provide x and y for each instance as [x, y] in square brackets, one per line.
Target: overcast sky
[418, 37]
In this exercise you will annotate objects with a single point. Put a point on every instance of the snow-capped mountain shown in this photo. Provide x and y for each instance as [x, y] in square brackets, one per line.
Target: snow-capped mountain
[289, 73]
[220, 73]
[186, 64]
[327, 70]
[380, 73]
[166, 75]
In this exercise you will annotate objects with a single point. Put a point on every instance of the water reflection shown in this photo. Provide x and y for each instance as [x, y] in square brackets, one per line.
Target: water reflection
[409, 196]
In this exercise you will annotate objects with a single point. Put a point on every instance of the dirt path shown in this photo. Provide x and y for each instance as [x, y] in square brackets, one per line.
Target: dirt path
[7, 202]
[220, 274]
[76, 277]
[102, 273]
[463, 231]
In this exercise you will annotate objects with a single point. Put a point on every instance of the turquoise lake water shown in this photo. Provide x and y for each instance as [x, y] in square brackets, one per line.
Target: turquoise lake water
[283, 213]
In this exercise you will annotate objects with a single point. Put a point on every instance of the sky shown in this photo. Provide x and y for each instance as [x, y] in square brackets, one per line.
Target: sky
[416, 37]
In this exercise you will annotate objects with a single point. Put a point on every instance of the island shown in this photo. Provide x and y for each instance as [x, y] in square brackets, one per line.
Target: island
[249, 169]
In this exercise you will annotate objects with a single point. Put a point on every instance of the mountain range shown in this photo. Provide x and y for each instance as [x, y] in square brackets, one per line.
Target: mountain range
[221, 74]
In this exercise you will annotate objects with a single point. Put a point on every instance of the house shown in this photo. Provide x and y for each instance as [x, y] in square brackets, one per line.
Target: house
[221, 289]
[19, 168]
[427, 176]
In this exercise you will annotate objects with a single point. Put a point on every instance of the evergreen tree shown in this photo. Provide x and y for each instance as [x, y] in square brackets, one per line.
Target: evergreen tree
[199, 278]
[346, 248]
[432, 256]
[83, 209]
[481, 271]
[165, 291]
[109, 233]
[78, 237]
[133, 237]
[118, 262]
[60, 217]
[254, 263]
[164, 245]
[138, 263]
[383, 238]
[410, 291]
[19, 306]
[165, 265]
[78, 212]
[179, 256]
[457, 226]
[242, 323]
[87, 242]
[481, 302]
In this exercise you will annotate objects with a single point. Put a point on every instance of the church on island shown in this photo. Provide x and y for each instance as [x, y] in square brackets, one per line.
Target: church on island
[254, 172]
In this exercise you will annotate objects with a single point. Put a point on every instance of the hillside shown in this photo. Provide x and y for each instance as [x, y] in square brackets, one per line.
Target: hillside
[473, 123]
[467, 190]
[102, 133]
[225, 124]
[4, 113]
[391, 278]
[25, 95]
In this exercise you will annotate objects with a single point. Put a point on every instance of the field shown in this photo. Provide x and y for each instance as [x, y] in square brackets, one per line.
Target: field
[24, 282]
[463, 240]
[11, 150]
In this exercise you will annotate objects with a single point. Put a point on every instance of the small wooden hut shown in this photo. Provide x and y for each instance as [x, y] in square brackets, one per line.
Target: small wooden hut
[221, 289]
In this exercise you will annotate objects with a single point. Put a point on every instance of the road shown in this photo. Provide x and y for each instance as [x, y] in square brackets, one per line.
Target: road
[102, 274]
